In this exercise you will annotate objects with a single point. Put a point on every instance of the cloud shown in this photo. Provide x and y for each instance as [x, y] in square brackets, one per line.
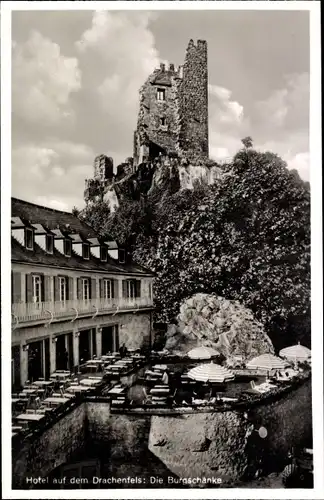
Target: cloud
[227, 124]
[287, 107]
[52, 173]
[123, 47]
[301, 163]
[42, 81]
[229, 112]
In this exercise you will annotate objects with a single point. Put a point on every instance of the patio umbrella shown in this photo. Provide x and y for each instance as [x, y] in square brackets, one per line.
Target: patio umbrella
[210, 373]
[295, 353]
[266, 362]
[202, 353]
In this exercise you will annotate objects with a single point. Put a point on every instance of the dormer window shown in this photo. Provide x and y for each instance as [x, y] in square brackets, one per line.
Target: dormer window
[49, 243]
[29, 239]
[86, 251]
[103, 254]
[67, 248]
[122, 256]
[160, 95]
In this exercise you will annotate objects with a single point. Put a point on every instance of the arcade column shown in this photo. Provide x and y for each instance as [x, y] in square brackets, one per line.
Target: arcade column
[52, 347]
[23, 363]
[76, 336]
[98, 341]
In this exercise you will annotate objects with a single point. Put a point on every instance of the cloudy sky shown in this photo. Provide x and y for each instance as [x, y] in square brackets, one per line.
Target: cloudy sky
[76, 75]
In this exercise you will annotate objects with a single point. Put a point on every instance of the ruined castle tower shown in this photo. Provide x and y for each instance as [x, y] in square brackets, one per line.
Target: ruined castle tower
[173, 113]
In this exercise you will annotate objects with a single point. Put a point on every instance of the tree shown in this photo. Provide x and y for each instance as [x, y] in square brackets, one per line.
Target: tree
[246, 238]
[96, 214]
[247, 142]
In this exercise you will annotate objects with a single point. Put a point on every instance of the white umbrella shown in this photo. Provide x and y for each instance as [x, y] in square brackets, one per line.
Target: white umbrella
[202, 353]
[296, 353]
[266, 362]
[210, 373]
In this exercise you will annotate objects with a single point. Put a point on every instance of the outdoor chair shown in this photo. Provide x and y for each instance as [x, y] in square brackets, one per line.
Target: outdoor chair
[258, 388]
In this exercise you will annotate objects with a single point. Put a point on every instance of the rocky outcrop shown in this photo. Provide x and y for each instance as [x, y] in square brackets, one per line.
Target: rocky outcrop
[223, 324]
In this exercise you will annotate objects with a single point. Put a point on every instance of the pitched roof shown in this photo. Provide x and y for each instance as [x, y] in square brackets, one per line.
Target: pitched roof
[51, 218]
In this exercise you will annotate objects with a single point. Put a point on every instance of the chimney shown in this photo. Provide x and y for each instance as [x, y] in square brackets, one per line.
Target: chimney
[162, 67]
[171, 67]
[180, 71]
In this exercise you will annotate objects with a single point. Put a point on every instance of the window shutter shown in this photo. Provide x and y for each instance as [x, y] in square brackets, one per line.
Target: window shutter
[101, 286]
[42, 287]
[15, 287]
[56, 288]
[137, 288]
[93, 289]
[124, 289]
[29, 288]
[79, 288]
[114, 288]
[47, 288]
[70, 289]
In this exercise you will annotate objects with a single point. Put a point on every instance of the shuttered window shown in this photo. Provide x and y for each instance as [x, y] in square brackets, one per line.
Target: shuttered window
[85, 288]
[15, 287]
[62, 288]
[37, 289]
[107, 289]
[131, 289]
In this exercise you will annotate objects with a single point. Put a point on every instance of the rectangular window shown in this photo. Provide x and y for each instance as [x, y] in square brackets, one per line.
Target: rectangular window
[49, 243]
[103, 254]
[107, 289]
[85, 289]
[86, 251]
[122, 256]
[131, 289]
[67, 248]
[29, 239]
[37, 289]
[160, 94]
[62, 289]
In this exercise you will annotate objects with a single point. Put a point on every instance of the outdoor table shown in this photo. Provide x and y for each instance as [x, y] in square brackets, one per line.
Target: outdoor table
[159, 398]
[87, 381]
[116, 390]
[45, 383]
[15, 400]
[95, 361]
[56, 400]
[30, 392]
[32, 417]
[95, 378]
[154, 374]
[60, 375]
[160, 367]
[77, 388]
[159, 391]
[92, 367]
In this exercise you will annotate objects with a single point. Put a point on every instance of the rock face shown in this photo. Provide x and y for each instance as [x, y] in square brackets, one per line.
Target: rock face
[220, 323]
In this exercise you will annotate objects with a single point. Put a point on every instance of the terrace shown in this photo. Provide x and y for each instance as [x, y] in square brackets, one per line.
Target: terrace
[139, 384]
[56, 311]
